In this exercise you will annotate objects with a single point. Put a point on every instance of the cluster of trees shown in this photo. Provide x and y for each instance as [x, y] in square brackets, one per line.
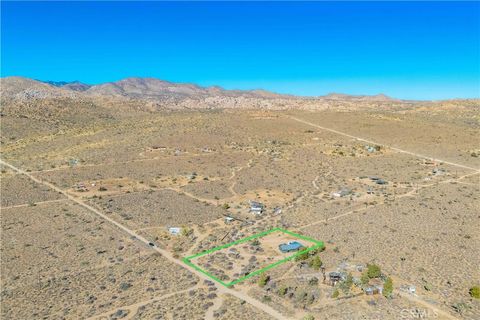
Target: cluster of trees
[373, 271]
[312, 256]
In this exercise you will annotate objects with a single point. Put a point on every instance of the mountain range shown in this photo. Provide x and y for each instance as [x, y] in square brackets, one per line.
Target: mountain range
[148, 88]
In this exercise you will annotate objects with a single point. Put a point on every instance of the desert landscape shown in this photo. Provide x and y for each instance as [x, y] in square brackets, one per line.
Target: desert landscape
[106, 188]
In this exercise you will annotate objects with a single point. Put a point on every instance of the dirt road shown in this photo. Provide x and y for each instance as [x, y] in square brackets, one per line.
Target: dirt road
[383, 145]
[265, 308]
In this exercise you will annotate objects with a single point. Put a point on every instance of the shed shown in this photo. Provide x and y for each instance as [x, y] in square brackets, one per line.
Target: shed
[174, 230]
[370, 290]
[80, 187]
[335, 277]
[277, 210]
[342, 193]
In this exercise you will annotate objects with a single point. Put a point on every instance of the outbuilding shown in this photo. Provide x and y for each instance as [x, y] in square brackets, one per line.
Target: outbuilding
[256, 207]
[342, 193]
[174, 230]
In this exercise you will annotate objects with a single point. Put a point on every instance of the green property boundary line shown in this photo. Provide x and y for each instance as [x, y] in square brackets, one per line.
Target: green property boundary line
[187, 260]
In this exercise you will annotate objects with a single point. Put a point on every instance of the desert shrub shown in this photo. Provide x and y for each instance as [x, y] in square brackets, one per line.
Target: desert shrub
[427, 287]
[226, 206]
[373, 271]
[315, 263]
[263, 280]
[102, 189]
[347, 284]
[313, 281]
[186, 231]
[309, 317]
[266, 299]
[460, 307]
[474, 292]
[125, 286]
[335, 294]
[282, 291]
[388, 288]
[301, 296]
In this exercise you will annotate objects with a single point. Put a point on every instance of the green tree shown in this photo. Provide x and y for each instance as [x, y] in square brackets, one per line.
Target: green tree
[347, 284]
[316, 263]
[364, 278]
[388, 288]
[474, 292]
[304, 255]
[373, 271]
[309, 317]
[263, 280]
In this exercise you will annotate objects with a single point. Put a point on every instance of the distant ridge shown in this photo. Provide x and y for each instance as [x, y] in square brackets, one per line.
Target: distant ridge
[341, 96]
[153, 89]
[136, 87]
[159, 90]
[42, 98]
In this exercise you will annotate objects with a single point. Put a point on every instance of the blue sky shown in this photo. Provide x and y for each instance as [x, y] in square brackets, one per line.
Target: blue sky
[413, 50]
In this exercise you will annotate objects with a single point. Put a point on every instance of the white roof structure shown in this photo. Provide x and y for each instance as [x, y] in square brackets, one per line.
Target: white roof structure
[174, 230]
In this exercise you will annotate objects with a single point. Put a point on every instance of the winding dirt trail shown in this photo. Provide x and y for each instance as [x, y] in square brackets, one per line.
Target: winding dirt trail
[217, 304]
[411, 193]
[32, 204]
[133, 308]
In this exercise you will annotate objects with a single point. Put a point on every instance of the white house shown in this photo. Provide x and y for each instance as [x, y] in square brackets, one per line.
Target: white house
[174, 230]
